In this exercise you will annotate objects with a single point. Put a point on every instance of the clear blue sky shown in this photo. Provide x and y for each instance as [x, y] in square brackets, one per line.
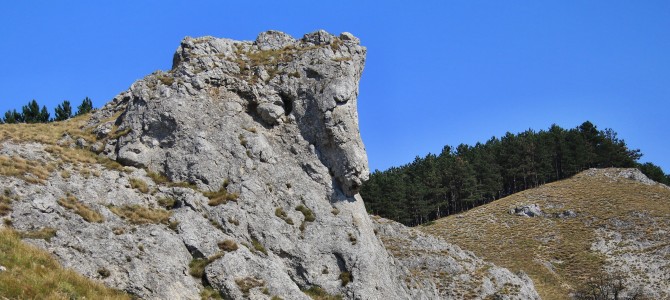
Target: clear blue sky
[439, 72]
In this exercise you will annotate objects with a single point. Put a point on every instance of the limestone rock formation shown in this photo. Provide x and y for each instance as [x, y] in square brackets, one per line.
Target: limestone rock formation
[436, 269]
[241, 171]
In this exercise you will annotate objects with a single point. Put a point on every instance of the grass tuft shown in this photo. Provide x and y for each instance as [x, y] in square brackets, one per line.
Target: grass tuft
[279, 212]
[137, 214]
[228, 245]
[258, 246]
[318, 293]
[197, 265]
[222, 196]
[81, 209]
[139, 184]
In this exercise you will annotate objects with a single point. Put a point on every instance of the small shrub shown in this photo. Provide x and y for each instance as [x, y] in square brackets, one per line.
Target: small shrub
[210, 293]
[258, 246]
[104, 273]
[318, 293]
[345, 277]
[276, 298]
[167, 202]
[197, 265]
[139, 184]
[228, 245]
[335, 211]
[352, 239]
[118, 230]
[81, 209]
[233, 221]
[309, 215]
[243, 140]
[279, 212]
[174, 225]
[221, 196]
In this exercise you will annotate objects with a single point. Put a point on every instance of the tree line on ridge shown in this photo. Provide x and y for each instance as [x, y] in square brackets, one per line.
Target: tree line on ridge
[467, 176]
[31, 112]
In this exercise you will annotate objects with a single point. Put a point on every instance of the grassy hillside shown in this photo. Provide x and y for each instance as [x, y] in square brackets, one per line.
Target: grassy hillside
[32, 273]
[631, 217]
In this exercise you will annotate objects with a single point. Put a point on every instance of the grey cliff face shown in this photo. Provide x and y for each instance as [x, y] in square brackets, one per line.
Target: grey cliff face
[306, 87]
[276, 120]
[260, 149]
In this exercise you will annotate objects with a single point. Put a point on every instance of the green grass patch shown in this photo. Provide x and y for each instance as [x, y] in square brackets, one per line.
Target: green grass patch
[258, 246]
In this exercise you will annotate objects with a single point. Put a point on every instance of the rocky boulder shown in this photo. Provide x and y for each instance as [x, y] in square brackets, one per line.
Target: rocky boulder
[531, 210]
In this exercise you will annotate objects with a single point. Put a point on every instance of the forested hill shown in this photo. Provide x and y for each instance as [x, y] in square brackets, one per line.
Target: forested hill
[467, 176]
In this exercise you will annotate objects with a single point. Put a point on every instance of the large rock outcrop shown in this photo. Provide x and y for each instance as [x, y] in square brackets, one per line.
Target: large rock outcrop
[254, 150]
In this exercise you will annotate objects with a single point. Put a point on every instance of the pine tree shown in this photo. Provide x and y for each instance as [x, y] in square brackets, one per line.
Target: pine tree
[63, 111]
[44, 116]
[652, 171]
[12, 117]
[31, 112]
[85, 107]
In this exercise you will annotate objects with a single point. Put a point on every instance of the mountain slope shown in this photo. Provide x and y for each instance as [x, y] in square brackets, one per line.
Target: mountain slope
[235, 173]
[613, 220]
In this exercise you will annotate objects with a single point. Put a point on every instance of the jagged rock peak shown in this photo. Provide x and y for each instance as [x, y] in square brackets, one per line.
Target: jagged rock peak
[311, 83]
[273, 122]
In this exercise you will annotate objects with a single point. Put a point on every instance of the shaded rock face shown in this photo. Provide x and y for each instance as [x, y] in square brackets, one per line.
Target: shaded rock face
[260, 162]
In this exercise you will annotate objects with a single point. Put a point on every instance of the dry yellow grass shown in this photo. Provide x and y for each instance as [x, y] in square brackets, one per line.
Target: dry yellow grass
[33, 274]
[139, 184]
[137, 214]
[29, 171]
[81, 209]
[534, 245]
[49, 134]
